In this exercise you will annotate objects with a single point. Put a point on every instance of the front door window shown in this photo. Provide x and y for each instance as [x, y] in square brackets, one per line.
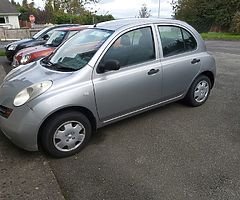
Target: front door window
[132, 48]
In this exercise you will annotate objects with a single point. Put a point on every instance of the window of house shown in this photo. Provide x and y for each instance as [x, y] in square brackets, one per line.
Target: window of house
[131, 48]
[2, 20]
[176, 40]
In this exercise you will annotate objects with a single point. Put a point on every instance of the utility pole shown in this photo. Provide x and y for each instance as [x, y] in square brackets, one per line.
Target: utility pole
[159, 6]
[93, 13]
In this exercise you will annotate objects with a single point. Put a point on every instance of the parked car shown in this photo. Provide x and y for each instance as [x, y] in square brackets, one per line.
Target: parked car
[103, 74]
[38, 39]
[31, 54]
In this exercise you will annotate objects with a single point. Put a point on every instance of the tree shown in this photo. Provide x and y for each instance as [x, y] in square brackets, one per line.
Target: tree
[60, 11]
[204, 14]
[49, 10]
[24, 3]
[144, 12]
[13, 2]
[74, 6]
[235, 26]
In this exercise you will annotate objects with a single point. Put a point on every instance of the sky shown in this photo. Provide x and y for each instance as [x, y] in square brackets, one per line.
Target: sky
[126, 8]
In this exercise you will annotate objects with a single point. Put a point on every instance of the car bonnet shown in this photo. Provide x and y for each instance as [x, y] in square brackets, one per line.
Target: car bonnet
[25, 76]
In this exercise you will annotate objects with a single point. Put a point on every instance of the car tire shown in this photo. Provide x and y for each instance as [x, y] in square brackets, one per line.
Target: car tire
[199, 91]
[65, 134]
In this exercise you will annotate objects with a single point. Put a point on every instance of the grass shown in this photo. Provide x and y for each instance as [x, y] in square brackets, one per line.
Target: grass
[220, 36]
[2, 53]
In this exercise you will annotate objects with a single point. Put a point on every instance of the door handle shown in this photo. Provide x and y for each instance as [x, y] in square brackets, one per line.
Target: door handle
[153, 71]
[195, 60]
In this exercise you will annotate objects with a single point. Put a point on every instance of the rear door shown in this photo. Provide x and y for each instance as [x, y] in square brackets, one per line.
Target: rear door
[180, 60]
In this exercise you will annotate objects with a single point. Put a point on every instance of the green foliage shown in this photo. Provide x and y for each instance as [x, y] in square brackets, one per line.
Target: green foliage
[68, 6]
[220, 36]
[103, 18]
[203, 14]
[235, 26]
[24, 13]
[2, 53]
[86, 18]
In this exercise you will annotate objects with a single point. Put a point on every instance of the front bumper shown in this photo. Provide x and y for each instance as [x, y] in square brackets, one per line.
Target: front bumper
[21, 127]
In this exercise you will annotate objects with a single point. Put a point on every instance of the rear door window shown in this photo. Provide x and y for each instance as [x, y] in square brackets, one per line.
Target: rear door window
[176, 40]
[189, 40]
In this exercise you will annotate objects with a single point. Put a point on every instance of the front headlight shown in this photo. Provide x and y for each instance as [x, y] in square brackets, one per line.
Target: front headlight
[25, 59]
[31, 92]
[12, 47]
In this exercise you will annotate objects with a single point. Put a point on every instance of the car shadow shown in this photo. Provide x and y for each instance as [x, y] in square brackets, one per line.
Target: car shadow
[99, 136]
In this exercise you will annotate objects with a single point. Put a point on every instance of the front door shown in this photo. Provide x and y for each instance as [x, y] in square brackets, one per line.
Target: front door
[137, 83]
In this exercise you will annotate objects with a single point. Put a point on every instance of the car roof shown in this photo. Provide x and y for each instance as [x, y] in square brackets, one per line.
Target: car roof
[56, 26]
[72, 28]
[65, 25]
[117, 24]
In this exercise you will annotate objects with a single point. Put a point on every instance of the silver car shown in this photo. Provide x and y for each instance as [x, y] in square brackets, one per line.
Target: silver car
[103, 74]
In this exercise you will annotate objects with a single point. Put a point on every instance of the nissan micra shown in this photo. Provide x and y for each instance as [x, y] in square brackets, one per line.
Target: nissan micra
[103, 74]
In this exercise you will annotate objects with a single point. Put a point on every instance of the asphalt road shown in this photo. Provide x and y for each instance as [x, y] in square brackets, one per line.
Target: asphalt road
[174, 152]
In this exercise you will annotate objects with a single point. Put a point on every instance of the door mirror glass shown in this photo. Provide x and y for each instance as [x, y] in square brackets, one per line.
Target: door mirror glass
[109, 65]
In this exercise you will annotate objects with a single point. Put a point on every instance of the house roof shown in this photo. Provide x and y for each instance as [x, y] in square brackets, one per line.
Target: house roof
[7, 8]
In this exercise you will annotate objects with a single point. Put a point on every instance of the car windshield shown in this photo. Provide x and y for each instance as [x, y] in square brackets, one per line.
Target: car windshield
[56, 38]
[38, 34]
[77, 51]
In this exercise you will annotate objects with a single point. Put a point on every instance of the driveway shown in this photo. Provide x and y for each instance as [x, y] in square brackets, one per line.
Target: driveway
[174, 152]
[24, 175]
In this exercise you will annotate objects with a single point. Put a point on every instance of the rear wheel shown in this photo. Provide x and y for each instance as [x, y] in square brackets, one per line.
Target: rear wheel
[65, 134]
[199, 91]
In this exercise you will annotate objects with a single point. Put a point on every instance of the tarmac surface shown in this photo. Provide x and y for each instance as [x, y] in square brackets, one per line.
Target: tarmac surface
[173, 152]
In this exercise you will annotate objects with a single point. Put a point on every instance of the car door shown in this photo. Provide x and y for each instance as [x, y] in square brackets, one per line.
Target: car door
[137, 83]
[181, 61]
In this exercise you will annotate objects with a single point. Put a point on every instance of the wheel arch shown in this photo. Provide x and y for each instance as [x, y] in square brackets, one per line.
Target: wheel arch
[210, 75]
[80, 109]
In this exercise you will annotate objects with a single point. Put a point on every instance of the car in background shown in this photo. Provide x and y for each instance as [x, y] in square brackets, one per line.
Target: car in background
[58, 36]
[103, 74]
[38, 39]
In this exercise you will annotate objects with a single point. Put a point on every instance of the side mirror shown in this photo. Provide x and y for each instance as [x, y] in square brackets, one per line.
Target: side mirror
[45, 37]
[109, 65]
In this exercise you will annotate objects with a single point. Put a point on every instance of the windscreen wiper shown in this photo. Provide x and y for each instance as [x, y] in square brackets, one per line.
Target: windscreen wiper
[56, 66]
[60, 67]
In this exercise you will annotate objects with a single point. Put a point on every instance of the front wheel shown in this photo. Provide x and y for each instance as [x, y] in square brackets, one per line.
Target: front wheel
[199, 91]
[65, 134]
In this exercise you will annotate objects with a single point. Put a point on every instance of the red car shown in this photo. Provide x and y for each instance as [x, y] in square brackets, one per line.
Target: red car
[31, 54]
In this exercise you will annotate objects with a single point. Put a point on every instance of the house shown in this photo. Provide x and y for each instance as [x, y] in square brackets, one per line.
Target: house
[8, 15]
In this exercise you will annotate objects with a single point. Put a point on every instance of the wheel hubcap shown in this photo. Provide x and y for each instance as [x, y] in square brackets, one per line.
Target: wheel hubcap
[201, 91]
[69, 136]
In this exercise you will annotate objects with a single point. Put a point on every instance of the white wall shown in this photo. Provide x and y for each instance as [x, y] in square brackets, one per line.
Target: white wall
[10, 21]
[13, 20]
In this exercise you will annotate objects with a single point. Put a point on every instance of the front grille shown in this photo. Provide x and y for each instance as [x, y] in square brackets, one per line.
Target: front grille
[5, 112]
